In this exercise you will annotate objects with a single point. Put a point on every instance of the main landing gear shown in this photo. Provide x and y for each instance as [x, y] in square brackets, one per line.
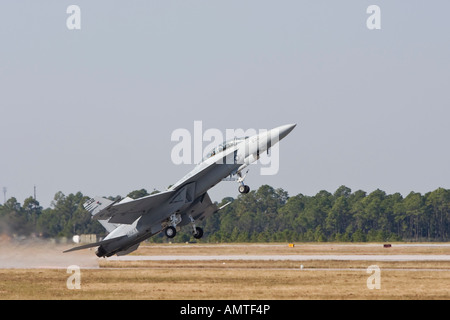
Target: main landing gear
[171, 230]
[197, 232]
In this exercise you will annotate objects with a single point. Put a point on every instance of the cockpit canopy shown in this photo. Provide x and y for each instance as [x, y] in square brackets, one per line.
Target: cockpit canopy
[223, 146]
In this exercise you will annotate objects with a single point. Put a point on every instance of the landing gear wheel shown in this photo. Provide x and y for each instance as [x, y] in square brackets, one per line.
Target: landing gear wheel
[170, 232]
[244, 189]
[199, 233]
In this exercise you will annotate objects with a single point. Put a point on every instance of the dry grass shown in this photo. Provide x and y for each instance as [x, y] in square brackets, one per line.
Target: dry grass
[223, 283]
[310, 265]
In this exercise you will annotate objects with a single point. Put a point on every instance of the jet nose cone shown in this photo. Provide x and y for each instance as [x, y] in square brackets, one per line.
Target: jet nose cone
[285, 130]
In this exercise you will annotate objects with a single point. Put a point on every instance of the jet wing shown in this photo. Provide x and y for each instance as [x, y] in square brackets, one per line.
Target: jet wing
[127, 211]
[203, 169]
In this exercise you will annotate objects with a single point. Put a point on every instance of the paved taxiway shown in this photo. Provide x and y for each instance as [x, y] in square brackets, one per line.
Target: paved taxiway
[361, 257]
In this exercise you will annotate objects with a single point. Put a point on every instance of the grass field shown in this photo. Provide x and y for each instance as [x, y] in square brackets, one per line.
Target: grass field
[216, 279]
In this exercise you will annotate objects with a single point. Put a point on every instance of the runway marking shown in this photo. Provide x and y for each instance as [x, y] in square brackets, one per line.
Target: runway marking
[328, 244]
[275, 269]
[361, 257]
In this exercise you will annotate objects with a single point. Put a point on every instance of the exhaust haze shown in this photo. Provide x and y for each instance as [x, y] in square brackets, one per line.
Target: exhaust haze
[36, 253]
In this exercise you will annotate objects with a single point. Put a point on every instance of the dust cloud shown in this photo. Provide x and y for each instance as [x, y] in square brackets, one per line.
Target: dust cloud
[38, 253]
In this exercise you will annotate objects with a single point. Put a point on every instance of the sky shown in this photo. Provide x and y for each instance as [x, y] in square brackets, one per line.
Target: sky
[93, 109]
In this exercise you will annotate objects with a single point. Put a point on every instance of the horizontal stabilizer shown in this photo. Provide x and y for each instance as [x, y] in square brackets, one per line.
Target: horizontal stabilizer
[96, 244]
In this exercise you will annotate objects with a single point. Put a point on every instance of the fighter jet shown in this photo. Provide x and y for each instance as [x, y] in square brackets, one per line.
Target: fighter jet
[129, 222]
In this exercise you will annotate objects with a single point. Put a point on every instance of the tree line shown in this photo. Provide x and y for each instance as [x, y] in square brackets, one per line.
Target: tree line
[263, 215]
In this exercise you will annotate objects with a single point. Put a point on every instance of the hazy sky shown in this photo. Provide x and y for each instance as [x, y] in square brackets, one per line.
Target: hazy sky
[92, 110]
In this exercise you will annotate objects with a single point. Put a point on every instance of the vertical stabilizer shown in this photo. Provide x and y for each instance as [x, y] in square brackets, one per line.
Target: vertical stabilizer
[95, 205]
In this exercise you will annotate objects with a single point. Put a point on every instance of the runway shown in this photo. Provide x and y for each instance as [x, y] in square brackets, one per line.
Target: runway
[361, 257]
[47, 255]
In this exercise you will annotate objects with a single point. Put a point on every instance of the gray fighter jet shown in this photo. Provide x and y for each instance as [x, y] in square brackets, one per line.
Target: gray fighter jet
[129, 222]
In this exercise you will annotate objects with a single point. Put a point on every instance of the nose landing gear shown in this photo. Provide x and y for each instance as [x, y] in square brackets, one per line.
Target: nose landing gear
[242, 187]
